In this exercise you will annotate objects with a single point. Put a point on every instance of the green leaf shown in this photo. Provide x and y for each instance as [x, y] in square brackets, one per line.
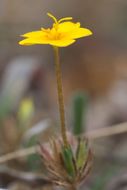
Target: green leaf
[80, 102]
[67, 156]
[81, 153]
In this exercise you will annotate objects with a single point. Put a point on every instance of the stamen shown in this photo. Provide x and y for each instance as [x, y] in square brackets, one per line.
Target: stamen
[64, 19]
[51, 16]
[46, 30]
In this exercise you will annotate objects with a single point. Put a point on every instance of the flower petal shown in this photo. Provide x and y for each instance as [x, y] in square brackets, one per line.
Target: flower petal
[73, 30]
[58, 43]
[38, 33]
[36, 37]
[33, 41]
[68, 27]
[61, 43]
[79, 33]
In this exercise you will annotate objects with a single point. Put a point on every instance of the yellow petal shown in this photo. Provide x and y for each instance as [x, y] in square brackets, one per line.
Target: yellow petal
[79, 33]
[36, 37]
[25, 42]
[61, 43]
[68, 27]
[38, 33]
[33, 41]
[58, 43]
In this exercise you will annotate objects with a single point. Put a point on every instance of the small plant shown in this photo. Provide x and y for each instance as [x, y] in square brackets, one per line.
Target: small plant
[67, 159]
[79, 107]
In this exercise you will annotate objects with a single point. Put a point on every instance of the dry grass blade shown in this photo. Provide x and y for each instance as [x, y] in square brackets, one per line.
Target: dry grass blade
[107, 131]
[18, 154]
[26, 177]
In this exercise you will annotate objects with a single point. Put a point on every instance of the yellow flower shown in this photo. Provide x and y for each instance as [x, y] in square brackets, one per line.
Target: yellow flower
[26, 109]
[63, 33]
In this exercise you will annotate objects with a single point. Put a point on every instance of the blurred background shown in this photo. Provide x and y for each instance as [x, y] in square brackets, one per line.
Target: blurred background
[94, 67]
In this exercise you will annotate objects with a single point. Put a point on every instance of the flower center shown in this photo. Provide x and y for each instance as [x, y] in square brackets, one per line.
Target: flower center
[53, 34]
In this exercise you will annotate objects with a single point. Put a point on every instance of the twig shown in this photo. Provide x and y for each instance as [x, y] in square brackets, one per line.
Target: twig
[107, 131]
[94, 134]
[18, 154]
[26, 177]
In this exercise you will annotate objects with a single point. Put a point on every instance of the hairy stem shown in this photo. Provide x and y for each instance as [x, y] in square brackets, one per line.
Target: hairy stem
[60, 95]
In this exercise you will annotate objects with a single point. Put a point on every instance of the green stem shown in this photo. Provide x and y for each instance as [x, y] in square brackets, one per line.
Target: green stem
[60, 95]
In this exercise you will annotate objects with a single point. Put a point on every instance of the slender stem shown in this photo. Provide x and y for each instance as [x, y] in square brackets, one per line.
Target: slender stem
[60, 95]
